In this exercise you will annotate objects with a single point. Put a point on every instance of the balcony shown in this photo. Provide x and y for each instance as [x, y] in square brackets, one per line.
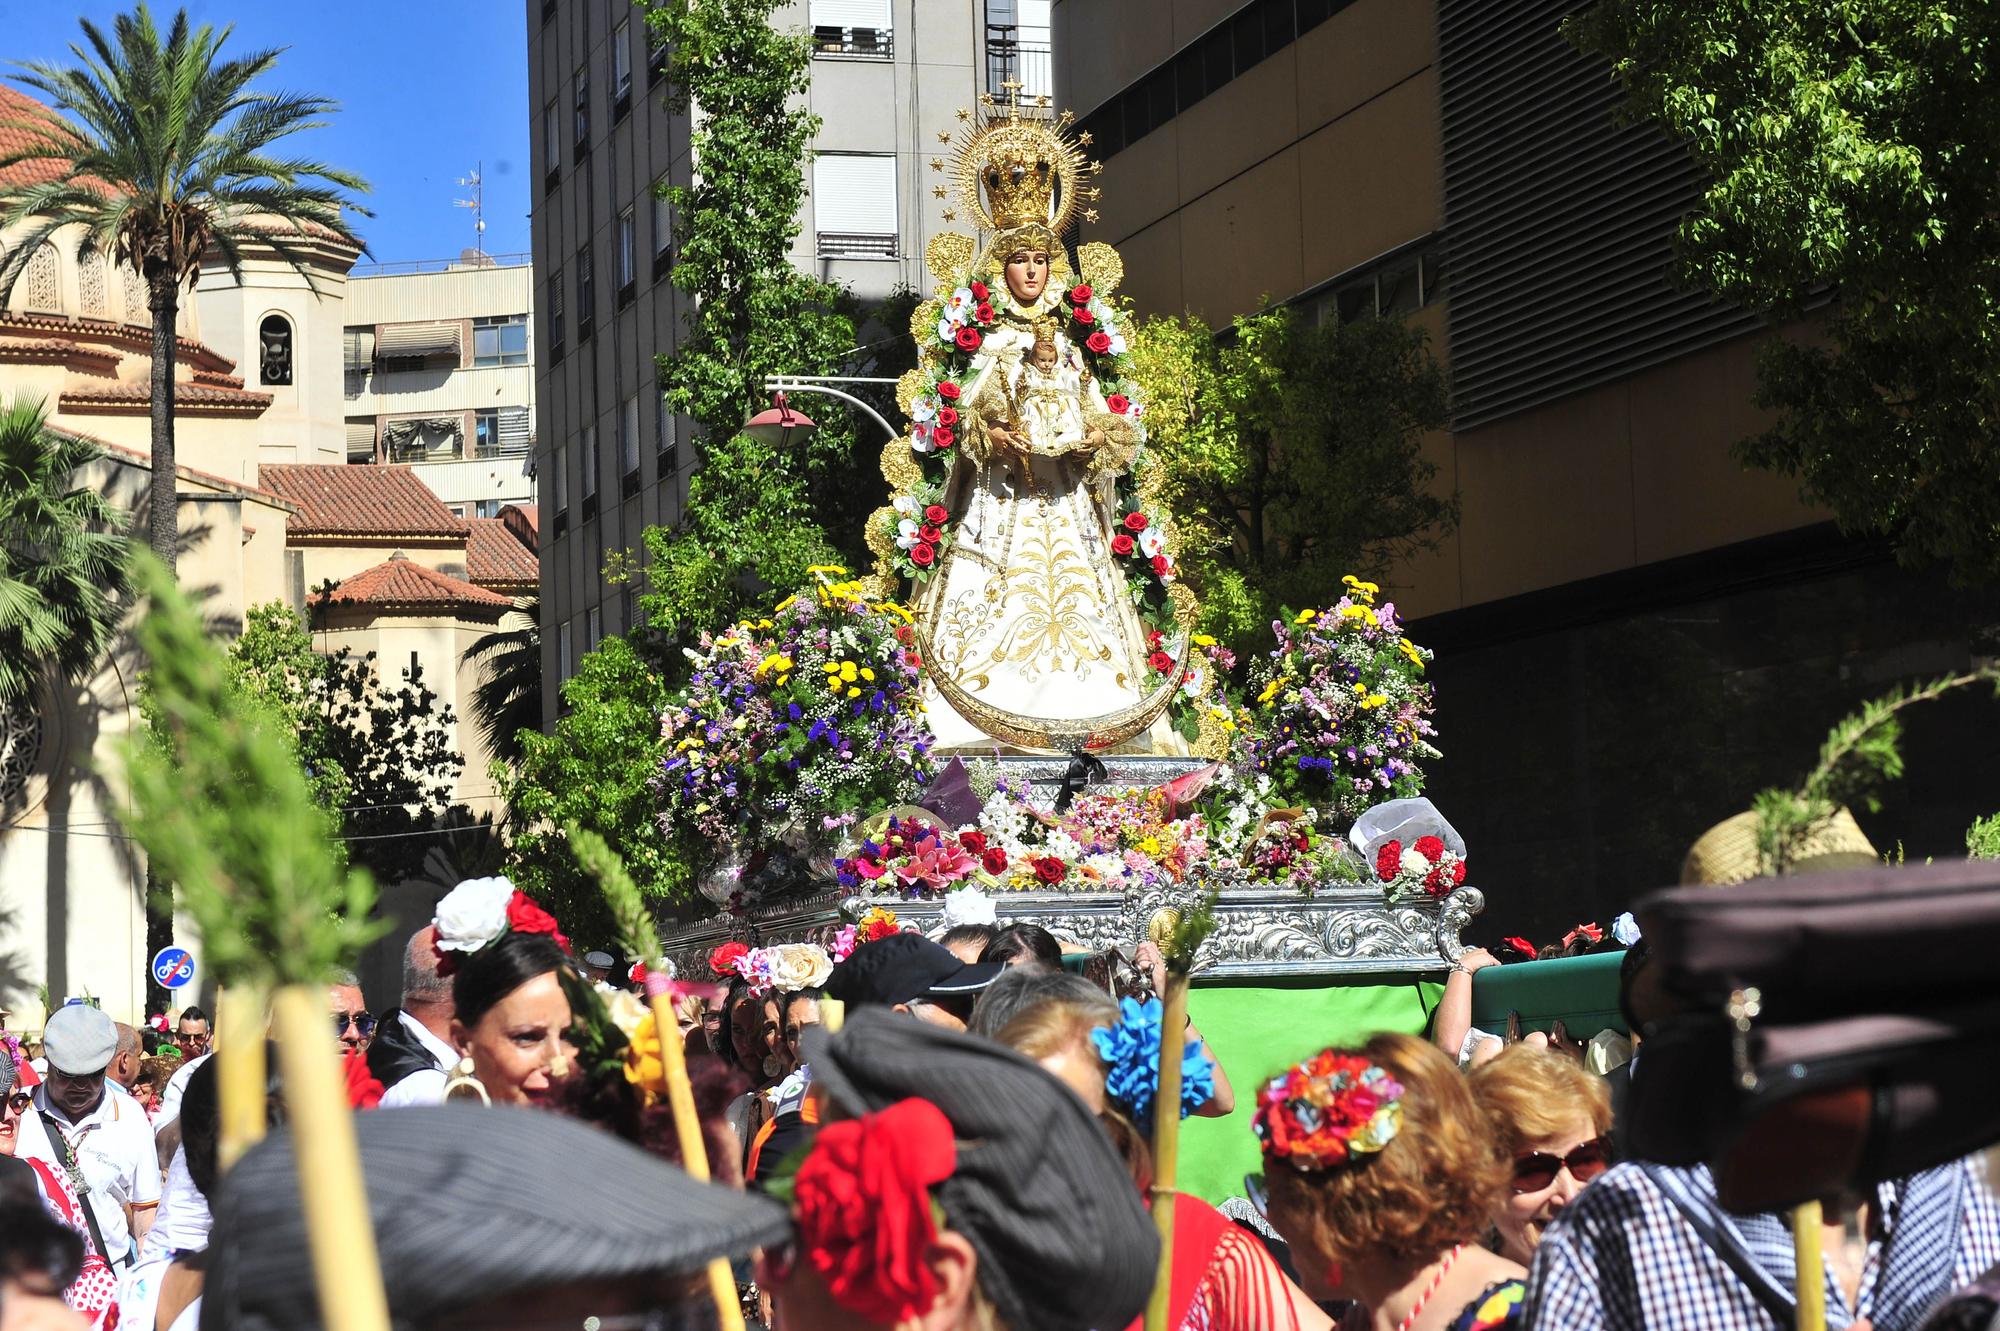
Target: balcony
[855, 245]
[867, 43]
[1019, 55]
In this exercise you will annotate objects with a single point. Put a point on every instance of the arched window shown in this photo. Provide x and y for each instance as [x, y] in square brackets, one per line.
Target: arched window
[43, 281]
[274, 346]
[90, 284]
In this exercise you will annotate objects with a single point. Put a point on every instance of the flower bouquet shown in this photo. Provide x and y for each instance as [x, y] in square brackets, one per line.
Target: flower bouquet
[1425, 870]
[913, 857]
[1342, 708]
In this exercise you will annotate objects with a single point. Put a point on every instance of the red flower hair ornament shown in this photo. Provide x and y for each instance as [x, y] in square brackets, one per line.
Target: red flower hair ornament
[1322, 1113]
[864, 1208]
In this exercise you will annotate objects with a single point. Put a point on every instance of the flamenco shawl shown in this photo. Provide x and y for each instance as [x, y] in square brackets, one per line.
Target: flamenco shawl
[1223, 1279]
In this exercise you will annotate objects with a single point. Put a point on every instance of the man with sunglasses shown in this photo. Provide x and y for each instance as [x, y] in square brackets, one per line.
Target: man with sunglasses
[100, 1138]
[353, 1025]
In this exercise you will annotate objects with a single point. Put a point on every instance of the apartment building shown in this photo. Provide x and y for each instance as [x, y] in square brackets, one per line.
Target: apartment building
[439, 375]
[1636, 632]
[887, 79]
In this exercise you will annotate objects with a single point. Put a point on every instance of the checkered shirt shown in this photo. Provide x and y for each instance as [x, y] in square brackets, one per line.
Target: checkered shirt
[1622, 1257]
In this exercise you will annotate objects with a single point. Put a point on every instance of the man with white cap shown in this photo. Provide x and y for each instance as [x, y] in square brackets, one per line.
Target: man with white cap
[102, 1139]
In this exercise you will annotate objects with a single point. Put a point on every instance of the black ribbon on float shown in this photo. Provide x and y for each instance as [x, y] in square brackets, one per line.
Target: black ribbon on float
[1083, 769]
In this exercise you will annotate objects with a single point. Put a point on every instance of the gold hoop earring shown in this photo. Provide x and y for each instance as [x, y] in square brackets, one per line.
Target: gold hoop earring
[462, 1085]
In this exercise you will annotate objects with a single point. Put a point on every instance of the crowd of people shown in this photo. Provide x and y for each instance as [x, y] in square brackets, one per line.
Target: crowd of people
[971, 1148]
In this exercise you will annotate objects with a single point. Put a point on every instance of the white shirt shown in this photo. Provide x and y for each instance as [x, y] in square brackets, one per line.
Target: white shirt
[170, 1099]
[114, 1148]
[425, 1086]
[182, 1222]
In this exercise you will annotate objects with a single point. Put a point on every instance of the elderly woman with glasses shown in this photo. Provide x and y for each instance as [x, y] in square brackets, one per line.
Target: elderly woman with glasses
[1552, 1119]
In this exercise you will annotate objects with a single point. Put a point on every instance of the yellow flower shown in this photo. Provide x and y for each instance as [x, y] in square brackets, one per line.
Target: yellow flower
[891, 608]
[868, 674]
[1356, 612]
[1373, 700]
[835, 569]
[1306, 616]
[1271, 690]
[763, 623]
[1150, 844]
[847, 671]
[1203, 640]
[785, 604]
[854, 693]
[777, 661]
[644, 1066]
[1361, 690]
[1416, 657]
[831, 667]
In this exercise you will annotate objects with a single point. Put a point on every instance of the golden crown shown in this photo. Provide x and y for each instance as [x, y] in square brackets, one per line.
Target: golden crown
[1019, 170]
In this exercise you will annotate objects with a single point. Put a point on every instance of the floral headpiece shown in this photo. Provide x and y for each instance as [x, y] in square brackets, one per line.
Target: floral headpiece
[1132, 1049]
[475, 914]
[1322, 1113]
[864, 1208]
[784, 967]
[879, 922]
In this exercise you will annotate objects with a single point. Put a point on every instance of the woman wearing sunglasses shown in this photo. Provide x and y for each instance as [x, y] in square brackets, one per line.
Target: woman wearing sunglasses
[1552, 1118]
[95, 1286]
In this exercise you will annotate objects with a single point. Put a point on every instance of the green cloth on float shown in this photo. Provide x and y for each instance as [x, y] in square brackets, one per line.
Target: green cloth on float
[1258, 1028]
[1581, 992]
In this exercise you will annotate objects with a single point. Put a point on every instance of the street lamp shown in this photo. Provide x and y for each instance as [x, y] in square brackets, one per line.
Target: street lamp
[778, 425]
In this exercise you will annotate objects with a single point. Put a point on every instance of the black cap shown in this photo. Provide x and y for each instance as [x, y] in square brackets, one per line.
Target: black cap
[1064, 1242]
[905, 966]
[471, 1204]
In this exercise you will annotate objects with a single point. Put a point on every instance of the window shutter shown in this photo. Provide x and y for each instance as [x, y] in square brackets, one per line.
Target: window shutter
[851, 14]
[854, 194]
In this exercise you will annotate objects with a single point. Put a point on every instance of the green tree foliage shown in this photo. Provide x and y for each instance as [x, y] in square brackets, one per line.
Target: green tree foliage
[1852, 148]
[1291, 455]
[509, 699]
[223, 810]
[755, 516]
[1982, 839]
[62, 555]
[594, 770]
[161, 150]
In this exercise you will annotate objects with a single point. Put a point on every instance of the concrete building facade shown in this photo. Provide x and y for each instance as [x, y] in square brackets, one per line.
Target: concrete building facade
[888, 77]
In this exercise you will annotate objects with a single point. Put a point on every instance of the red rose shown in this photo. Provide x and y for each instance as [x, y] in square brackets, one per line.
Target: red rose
[937, 513]
[974, 843]
[1136, 522]
[943, 437]
[1082, 315]
[723, 959]
[1121, 544]
[948, 390]
[1161, 662]
[1099, 342]
[947, 416]
[983, 312]
[1388, 859]
[980, 291]
[923, 555]
[1161, 566]
[1430, 847]
[863, 1203]
[1154, 638]
[994, 860]
[1051, 870]
[929, 533]
[1118, 402]
[525, 917]
[1458, 872]
[1080, 294]
[968, 339]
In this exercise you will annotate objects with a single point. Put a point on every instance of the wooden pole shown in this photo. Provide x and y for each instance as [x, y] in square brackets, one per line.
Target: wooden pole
[239, 1070]
[1167, 1141]
[1808, 1226]
[687, 1128]
[346, 1268]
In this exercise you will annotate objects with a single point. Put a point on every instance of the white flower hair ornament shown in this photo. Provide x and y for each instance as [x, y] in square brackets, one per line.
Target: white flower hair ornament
[968, 905]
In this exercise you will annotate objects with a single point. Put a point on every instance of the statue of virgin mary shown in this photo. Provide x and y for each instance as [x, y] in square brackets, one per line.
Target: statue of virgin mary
[1045, 594]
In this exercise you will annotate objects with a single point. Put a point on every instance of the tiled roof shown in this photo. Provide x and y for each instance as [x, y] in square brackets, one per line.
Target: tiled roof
[185, 395]
[16, 105]
[495, 557]
[400, 582]
[139, 337]
[360, 499]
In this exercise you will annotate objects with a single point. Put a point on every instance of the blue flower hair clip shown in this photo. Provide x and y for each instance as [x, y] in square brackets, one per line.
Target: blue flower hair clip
[1132, 1049]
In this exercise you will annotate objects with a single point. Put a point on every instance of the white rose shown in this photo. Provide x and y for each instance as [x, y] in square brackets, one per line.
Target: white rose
[968, 905]
[796, 966]
[624, 1007]
[1416, 863]
[472, 914]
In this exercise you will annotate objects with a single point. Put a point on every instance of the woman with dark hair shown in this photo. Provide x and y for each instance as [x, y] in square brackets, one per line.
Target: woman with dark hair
[968, 941]
[1022, 944]
[510, 1016]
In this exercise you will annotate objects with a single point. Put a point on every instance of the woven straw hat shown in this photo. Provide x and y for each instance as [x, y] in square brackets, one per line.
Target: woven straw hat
[1727, 853]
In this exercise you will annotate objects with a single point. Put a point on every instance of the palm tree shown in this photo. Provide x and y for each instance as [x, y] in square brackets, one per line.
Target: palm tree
[161, 151]
[509, 700]
[62, 557]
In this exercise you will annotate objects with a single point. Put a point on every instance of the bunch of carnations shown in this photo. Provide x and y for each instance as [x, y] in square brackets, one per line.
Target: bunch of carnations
[790, 724]
[912, 859]
[1425, 870]
[1342, 708]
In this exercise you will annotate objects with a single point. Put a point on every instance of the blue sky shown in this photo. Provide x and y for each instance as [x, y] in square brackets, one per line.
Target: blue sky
[427, 89]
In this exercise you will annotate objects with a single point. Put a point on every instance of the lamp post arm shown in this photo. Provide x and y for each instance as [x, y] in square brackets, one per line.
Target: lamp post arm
[779, 383]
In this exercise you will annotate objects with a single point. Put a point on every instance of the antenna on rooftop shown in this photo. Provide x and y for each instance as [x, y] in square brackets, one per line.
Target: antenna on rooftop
[476, 182]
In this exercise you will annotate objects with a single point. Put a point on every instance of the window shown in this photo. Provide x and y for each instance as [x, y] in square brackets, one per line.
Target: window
[565, 662]
[586, 294]
[582, 104]
[663, 229]
[486, 508]
[852, 27]
[628, 446]
[627, 259]
[500, 339]
[555, 315]
[551, 146]
[274, 350]
[621, 70]
[665, 441]
[854, 205]
[589, 472]
[561, 460]
[502, 431]
[656, 56]
[594, 626]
